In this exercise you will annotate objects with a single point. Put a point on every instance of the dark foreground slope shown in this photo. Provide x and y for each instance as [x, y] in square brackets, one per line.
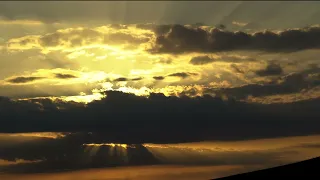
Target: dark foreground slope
[308, 169]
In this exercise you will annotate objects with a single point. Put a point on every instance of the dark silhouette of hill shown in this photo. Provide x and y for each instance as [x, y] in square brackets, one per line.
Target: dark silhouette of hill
[304, 169]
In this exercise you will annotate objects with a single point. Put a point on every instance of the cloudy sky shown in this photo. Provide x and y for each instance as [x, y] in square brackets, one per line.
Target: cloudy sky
[169, 82]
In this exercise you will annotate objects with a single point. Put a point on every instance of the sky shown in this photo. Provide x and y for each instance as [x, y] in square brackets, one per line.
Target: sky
[153, 80]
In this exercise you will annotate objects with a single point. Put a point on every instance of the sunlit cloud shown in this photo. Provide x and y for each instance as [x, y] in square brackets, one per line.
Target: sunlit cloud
[52, 135]
[119, 54]
[77, 40]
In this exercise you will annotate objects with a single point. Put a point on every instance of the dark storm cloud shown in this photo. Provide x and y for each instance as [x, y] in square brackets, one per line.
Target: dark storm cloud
[291, 83]
[200, 60]
[64, 76]
[182, 39]
[185, 39]
[22, 79]
[35, 105]
[271, 69]
[182, 74]
[159, 77]
[126, 118]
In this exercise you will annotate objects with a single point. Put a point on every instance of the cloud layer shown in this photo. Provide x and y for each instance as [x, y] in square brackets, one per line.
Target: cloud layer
[180, 39]
[45, 155]
[162, 119]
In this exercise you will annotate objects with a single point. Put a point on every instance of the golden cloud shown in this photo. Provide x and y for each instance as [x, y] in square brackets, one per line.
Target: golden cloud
[72, 39]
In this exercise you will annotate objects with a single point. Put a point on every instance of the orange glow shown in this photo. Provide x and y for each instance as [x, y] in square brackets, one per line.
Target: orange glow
[52, 135]
[125, 146]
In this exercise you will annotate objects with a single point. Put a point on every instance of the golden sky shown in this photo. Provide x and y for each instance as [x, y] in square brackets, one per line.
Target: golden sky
[51, 56]
[257, 61]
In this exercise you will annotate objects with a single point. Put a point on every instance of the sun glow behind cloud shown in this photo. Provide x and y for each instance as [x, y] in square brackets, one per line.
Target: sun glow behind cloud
[89, 57]
[119, 150]
[212, 151]
[52, 135]
[109, 144]
[84, 98]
